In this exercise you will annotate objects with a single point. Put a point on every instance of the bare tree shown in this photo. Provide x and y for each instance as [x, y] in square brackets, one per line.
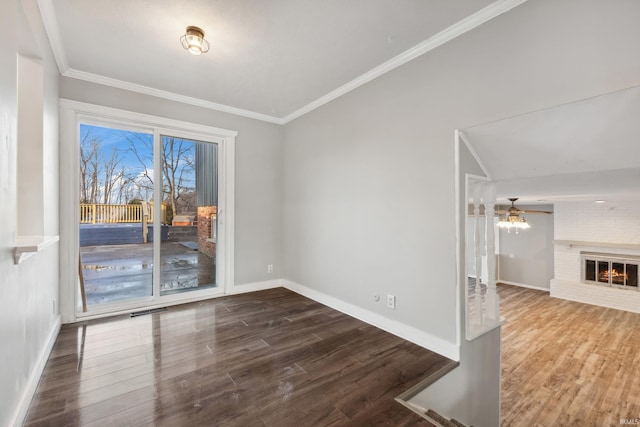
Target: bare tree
[142, 149]
[177, 165]
[88, 165]
[177, 168]
[112, 176]
[104, 177]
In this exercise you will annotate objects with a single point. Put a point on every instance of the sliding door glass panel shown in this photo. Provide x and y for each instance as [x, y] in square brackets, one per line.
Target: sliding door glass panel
[189, 172]
[116, 216]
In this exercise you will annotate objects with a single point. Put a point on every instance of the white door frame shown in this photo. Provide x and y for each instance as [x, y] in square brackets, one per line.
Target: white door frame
[72, 113]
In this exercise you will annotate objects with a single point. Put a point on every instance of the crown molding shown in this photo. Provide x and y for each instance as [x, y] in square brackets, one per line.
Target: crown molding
[147, 90]
[53, 31]
[469, 23]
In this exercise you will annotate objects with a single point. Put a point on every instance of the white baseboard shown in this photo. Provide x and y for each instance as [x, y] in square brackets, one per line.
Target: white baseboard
[522, 285]
[32, 383]
[409, 333]
[255, 286]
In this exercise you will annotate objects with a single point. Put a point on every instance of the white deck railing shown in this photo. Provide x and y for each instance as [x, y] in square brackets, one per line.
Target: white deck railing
[112, 214]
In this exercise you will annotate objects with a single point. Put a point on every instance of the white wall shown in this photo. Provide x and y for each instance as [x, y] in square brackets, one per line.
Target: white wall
[612, 227]
[610, 222]
[368, 178]
[526, 258]
[258, 171]
[471, 392]
[28, 315]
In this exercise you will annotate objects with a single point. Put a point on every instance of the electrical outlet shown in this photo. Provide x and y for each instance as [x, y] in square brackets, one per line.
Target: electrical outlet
[270, 268]
[391, 302]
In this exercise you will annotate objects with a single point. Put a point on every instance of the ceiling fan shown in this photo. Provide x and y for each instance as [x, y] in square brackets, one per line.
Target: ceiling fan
[514, 210]
[511, 217]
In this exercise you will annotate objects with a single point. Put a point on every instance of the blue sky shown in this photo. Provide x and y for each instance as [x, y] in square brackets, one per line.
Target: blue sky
[135, 166]
[116, 139]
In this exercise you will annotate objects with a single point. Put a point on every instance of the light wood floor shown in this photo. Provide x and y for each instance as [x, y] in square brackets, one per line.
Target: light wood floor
[270, 358]
[566, 363]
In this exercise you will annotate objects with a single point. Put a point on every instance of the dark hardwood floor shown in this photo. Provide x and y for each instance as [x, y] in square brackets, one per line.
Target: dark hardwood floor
[270, 358]
[567, 364]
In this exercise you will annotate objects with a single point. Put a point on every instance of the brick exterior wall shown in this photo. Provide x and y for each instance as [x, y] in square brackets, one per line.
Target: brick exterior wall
[205, 245]
[612, 223]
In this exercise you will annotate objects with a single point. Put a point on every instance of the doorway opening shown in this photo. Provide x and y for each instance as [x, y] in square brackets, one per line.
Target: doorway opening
[147, 205]
[117, 215]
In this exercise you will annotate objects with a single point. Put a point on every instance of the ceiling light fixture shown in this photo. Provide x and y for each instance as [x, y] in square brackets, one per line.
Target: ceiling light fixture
[512, 219]
[193, 40]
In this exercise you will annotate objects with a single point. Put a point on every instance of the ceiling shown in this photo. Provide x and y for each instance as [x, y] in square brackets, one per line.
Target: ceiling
[581, 151]
[276, 60]
[272, 60]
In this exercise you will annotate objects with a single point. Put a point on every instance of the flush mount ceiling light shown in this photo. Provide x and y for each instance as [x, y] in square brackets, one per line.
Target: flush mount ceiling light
[193, 40]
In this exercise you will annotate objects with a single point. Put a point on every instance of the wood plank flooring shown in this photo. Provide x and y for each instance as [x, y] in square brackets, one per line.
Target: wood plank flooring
[270, 358]
[567, 364]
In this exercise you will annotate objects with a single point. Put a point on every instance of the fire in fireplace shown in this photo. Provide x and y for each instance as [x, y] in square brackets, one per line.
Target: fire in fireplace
[610, 270]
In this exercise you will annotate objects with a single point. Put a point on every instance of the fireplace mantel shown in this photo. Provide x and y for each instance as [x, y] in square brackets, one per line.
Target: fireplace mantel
[578, 243]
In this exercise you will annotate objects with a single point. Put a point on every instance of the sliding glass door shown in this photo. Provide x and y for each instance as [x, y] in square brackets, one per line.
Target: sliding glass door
[116, 190]
[148, 223]
[190, 193]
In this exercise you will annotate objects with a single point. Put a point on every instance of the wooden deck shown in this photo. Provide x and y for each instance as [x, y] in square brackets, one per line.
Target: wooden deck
[270, 358]
[117, 234]
[115, 273]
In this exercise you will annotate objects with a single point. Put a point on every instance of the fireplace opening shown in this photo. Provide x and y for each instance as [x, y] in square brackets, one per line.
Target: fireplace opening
[611, 270]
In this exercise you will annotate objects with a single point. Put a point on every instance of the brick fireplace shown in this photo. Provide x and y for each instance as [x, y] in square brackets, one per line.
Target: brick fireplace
[597, 254]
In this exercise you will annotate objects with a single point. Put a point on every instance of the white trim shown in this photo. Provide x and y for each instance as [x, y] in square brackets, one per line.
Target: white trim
[467, 24]
[522, 285]
[34, 378]
[578, 243]
[402, 330]
[172, 96]
[493, 10]
[69, 231]
[461, 264]
[240, 289]
[255, 286]
[27, 246]
[226, 233]
[108, 114]
[476, 331]
[71, 114]
[50, 23]
[475, 155]
[187, 298]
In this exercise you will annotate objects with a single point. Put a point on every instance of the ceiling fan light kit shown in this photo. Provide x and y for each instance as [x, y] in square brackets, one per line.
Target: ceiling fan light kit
[512, 219]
